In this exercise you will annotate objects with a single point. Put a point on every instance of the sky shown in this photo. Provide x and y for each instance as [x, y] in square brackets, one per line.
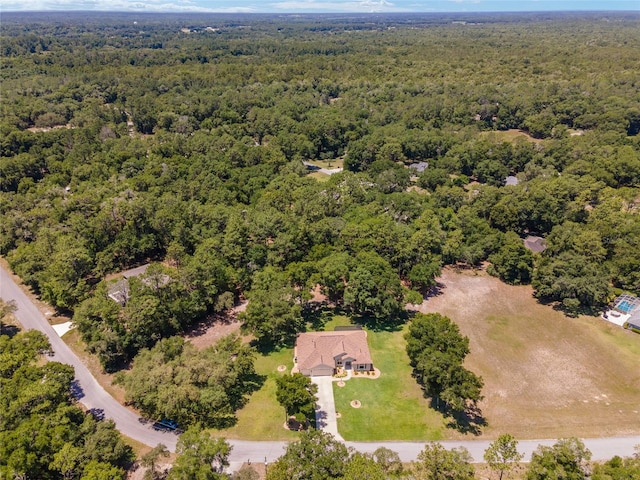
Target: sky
[317, 6]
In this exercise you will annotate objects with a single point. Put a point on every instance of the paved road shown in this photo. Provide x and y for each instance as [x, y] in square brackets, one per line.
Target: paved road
[93, 396]
[90, 392]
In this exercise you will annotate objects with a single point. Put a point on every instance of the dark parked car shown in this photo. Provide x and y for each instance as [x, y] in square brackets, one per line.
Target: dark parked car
[166, 425]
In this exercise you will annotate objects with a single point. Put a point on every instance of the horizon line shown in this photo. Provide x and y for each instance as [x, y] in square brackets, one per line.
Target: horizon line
[322, 12]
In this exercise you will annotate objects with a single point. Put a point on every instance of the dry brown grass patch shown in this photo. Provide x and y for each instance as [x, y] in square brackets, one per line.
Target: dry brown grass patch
[546, 375]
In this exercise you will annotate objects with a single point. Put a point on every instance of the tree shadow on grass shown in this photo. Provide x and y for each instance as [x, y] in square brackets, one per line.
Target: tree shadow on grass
[467, 421]
[317, 314]
[392, 324]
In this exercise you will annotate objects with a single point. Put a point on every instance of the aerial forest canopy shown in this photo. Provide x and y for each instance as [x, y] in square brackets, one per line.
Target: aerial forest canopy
[181, 140]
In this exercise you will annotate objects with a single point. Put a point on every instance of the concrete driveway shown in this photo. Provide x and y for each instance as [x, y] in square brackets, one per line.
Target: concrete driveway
[326, 407]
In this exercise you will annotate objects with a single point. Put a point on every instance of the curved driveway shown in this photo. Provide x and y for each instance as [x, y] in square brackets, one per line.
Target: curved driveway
[93, 396]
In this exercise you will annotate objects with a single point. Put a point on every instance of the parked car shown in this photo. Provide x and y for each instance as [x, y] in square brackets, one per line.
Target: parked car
[165, 425]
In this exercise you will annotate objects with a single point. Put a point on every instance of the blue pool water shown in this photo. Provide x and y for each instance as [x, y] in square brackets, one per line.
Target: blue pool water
[624, 306]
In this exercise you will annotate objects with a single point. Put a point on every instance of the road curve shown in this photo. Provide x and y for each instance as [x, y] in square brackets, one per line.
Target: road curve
[93, 396]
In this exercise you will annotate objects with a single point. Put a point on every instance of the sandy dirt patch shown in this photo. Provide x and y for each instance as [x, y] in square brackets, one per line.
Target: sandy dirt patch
[208, 332]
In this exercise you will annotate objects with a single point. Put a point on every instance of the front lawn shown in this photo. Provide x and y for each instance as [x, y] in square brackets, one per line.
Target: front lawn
[262, 418]
[393, 406]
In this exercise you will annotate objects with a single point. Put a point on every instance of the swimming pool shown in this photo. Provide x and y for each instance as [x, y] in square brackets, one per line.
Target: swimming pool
[625, 306]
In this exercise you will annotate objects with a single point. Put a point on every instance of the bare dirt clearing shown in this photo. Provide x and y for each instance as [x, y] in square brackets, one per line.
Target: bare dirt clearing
[210, 331]
[546, 375]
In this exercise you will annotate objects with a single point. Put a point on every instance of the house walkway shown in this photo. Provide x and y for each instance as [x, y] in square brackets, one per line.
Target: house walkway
[326, 419]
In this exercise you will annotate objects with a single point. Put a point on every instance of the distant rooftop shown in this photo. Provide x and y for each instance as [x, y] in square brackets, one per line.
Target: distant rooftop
[535, 244]
[419, 166]
[134, 272]
[511, 180]
[118, 290]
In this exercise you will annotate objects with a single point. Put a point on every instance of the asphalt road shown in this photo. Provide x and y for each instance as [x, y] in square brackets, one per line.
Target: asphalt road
[93, 396]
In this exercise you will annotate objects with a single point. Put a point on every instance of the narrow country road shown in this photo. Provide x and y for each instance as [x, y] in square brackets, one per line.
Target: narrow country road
[89, 391]
[93, 396]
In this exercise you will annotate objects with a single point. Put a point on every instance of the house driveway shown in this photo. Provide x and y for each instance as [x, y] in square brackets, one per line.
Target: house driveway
[326, 407]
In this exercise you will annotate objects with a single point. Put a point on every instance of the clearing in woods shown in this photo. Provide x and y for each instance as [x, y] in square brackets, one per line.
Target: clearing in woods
[546, 375]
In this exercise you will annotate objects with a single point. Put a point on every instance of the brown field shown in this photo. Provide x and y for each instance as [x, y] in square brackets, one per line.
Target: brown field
[545, 375]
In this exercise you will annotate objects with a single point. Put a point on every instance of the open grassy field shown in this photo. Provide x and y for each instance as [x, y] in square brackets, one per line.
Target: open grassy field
[393, 406]
[546, 375]
[510, 136]
[334, 163]
[319, 176]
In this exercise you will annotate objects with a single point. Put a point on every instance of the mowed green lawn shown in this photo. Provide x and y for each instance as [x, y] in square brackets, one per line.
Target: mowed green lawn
[393, 406]
[262, 418]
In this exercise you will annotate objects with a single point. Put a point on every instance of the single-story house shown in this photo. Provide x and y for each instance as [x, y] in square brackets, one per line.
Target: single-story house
[634, 320]
[535, 244]
[118, 290]
[321, 353]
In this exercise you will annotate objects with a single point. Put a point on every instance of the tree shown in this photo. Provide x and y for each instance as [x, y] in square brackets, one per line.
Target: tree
[94, 470]
[388, 460]
[502, 454]
[374, 288]
[175, 380]
[297, 394]
[513, 262]
[273, 314]
[316, 456]
[363, 467]
[42, 433]
[150, 460]
[201, 456]
[567, 459]
[436, 350]
[437, 463]
[618, 468]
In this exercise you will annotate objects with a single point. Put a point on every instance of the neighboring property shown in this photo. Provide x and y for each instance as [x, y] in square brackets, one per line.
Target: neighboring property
[118, 290]
[535, 244]
[321, 353]
[634, 320]
[511, 180]
[626, 309]
[419, 167]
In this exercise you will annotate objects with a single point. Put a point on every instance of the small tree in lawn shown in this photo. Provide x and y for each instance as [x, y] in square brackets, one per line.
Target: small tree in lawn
[502, 454]
[297, 394]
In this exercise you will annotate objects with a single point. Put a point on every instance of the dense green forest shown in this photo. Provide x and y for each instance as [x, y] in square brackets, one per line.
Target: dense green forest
[43, 433]
[181, 139]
